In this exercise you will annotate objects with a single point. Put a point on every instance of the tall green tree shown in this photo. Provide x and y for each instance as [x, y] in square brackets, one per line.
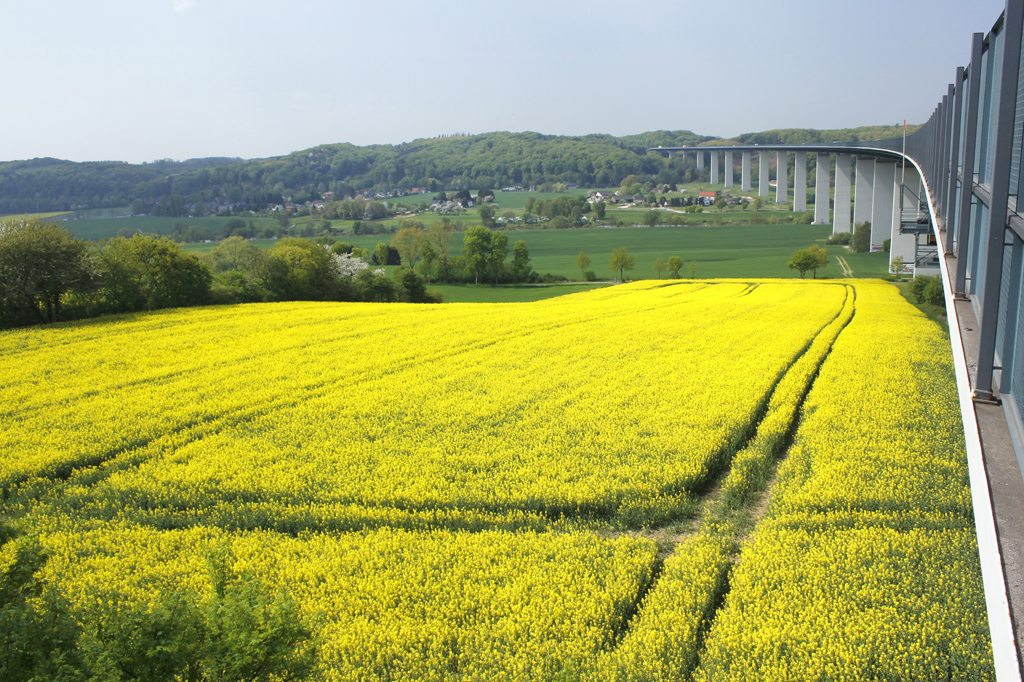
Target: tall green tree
[812, 258]
[380, 253]
[438, 237]
[486, 215]
[861, 238]
[659, 266]
[583, 262]
[409, 241]
[147, 273]
[497, 254]
[476, 248]
[675, 264]
[40, 264]
[621, 261]
[521, 267]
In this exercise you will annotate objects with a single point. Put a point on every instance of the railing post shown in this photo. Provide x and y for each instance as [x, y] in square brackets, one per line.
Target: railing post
[947, 123]
[948, 207]
[967, 172]
[993, 247]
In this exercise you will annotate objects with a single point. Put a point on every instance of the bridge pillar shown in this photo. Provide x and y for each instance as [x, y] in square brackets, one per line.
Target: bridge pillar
[881, 202]
[781, 177]
[799, 182]
[728, 170]
[745, 179]
[671, 155]
[714, 168]
[700, 160]
[822, 189]
[865, 185]
[903, 244]
[841, 213]
[762, 174]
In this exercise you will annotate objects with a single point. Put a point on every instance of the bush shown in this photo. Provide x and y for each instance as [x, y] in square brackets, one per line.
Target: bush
[928, 290]
[839, 238]
[886, 244]
[589, 276]
[861, 238]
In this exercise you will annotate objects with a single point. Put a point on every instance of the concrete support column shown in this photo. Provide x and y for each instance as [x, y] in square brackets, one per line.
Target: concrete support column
[781, 177]
[822, 189]
[671, 155]
[762, 174]
[714, 168]
[904, 245]
[799, 182]
[841, 213]
[728, 170]
[865, 187]
[745, 179]
[700, 160]
[881, 202]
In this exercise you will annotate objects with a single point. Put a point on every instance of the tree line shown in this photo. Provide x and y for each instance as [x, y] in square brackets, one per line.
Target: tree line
[48, 275]
[489, 160]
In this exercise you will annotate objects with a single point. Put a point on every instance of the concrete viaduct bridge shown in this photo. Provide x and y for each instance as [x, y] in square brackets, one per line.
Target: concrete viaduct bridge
[873, 184]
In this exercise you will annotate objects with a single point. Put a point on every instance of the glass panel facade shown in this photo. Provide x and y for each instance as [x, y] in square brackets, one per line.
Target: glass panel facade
[982, 110]
[995, 55]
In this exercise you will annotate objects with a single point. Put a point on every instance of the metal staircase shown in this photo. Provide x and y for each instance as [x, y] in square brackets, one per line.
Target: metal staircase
[914, 215]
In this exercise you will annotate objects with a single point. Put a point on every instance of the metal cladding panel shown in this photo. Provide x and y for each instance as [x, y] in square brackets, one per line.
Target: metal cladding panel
[954, 215]
[983, 108]
[1016, 299]
[963, 119]
[995, 64]
[979, 236]
[1004, 296]
[1018, 131]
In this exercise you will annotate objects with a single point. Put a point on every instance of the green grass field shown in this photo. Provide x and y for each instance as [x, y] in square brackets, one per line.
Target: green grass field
[727, 251]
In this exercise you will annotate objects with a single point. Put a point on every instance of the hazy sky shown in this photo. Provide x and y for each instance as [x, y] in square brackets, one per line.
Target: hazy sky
[138, 80]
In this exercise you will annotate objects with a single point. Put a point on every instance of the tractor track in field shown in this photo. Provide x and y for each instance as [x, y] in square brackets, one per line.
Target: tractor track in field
[735, 524]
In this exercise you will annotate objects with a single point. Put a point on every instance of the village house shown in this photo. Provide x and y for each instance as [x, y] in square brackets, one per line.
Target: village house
[706, 198]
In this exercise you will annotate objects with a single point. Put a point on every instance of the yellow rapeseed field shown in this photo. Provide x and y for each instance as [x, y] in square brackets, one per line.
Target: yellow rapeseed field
[475, 491]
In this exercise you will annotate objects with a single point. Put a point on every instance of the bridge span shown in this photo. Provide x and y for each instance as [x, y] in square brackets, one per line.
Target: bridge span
[873, 182]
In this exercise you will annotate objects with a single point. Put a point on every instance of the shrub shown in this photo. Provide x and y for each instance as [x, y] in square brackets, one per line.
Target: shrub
[928, 289]
[861, 238]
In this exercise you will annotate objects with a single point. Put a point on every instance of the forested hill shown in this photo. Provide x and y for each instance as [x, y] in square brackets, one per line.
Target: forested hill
[490, 160]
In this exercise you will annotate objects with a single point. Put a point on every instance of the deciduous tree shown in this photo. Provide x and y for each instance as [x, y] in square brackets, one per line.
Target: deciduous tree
[675, 264]
[40, 263]
[497, 254]
[583, 262]
[621, 261]
[812, 258]
[521, 267]
[438, 237]
[659, 266]
[409, 242]
[477, 247]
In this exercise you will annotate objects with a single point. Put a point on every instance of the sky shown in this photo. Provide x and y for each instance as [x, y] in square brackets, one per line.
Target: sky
[140, 80]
